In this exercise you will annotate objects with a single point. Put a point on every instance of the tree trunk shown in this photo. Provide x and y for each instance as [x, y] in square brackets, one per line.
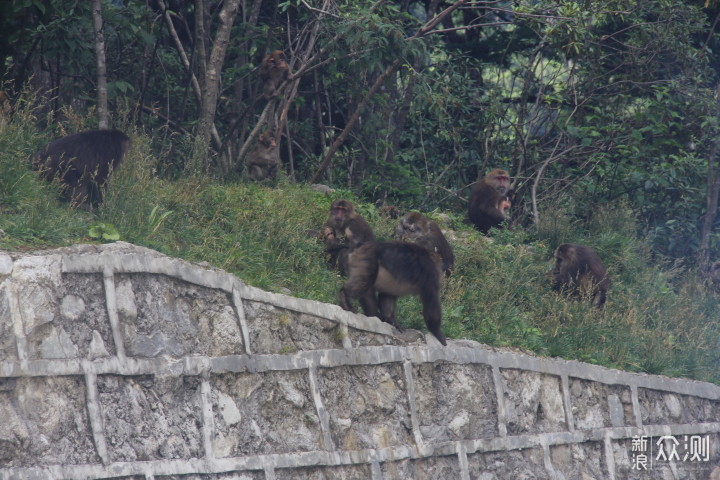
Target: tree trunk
[711, 195]
[102, 103]
[208, 102]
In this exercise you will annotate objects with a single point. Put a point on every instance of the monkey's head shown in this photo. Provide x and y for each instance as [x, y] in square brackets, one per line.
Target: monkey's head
[267, 140]
[328, 233]
[564, 257]
[411, 226]
[340, 212]
[499, 179]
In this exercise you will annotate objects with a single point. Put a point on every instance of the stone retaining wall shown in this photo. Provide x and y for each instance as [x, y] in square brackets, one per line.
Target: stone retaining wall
[118, 362]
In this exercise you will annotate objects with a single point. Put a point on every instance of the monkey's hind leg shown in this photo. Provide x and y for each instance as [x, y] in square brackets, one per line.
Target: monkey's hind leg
[387, 310]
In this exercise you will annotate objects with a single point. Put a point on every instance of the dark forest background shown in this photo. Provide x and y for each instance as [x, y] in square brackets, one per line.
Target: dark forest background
[407, 102]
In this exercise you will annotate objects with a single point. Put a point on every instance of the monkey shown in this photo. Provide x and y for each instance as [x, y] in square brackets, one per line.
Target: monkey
[417, 228]
[486, 198]
[338, 252]
[274, 70]
[264, 159]
[390, 211]
[579, 270]
[344, 231]
[393, 270]
[82, 162]
[347, 224]
[505, 202]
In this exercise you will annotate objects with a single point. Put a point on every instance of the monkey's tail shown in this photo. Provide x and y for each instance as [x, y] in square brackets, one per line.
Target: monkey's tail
[432, 312]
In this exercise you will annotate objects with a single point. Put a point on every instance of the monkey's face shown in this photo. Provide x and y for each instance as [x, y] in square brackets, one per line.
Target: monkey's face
[339, 213]
[267, 140]
[502, 184]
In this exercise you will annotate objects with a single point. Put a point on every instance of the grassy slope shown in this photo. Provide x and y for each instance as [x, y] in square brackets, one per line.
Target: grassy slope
[655, 321]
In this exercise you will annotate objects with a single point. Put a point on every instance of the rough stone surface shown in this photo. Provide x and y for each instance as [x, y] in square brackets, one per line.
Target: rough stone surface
[79, 327]
[360, 338]
[214, 476]
[517, 465]
[659, 408]
[261, 413]
[533, 401]
[161, 315]
[345, 472]
[626, 456]
[579, 461]
[43, 421]
[8, 346]
[119, 363]
[455, 402]
[437, 468]
[276, 330]
[368, 406]
[150, 417]
[596, 405]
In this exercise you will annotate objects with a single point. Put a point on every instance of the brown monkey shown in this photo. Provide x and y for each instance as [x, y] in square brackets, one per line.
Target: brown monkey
[506, 202]
[82, 162]
[274, 70]
[390, 211]
[394, 269]
[417, 228]
[338, 252]
[264, 159]
[348, 225]
[487, 198]
[579, 270]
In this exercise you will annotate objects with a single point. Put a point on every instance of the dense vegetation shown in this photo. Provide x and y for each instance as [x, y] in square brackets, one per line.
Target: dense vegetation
[605, 114]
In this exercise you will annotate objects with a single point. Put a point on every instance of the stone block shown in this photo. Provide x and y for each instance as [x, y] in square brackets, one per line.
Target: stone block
[455, 401]
[342, 472]
[367, 406]
[433, 468]
[214, 476]
[658, 408]
[278, 330]
[579, 461]
[630, 465]
[597, 405]
[264, 413]
[516, 465]
[150, 418]
[160, 315]
[8, 343]
[533, 402]
[43, 421]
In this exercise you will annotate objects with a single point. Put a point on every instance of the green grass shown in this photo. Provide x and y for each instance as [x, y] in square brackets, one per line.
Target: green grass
[658, 319]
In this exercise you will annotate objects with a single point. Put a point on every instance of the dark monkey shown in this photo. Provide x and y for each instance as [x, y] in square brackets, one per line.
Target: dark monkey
[343, 232]
[264, 159]
[348, 224]
[579, 270]
[393, 270]
[274, 70]
[83, 162]
[338, 252]
[486, 208]
[417, 228]
[390, 211]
